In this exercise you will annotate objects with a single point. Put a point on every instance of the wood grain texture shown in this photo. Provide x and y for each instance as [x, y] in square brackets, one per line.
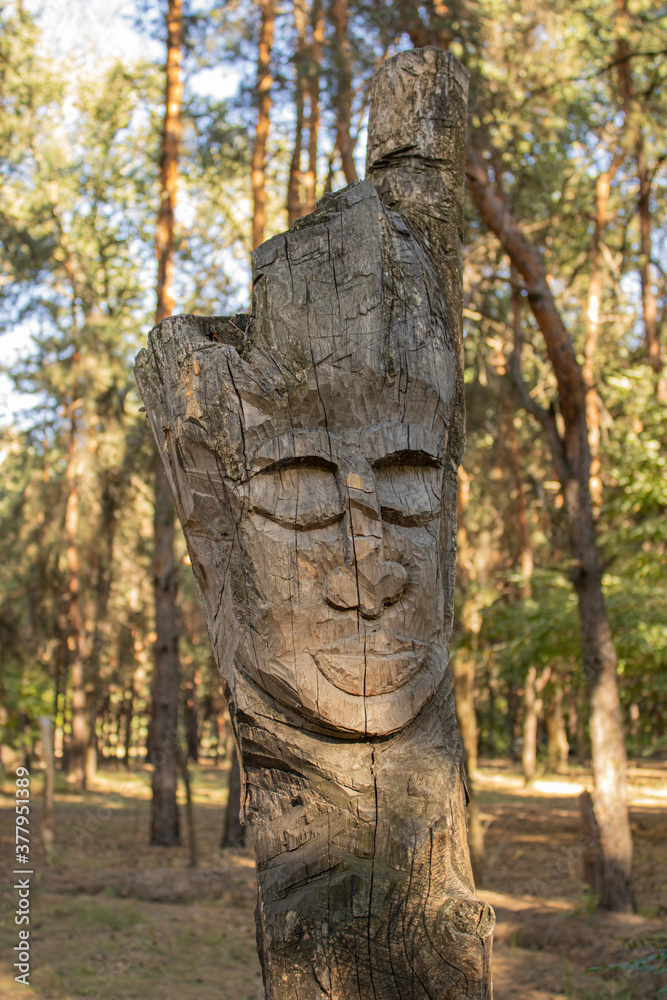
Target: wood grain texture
[312, 451]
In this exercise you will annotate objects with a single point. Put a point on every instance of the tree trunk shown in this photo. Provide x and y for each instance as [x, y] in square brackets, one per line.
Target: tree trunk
[129, 716]
[189, 806]
[264, 83]
[294, 184]
[526, 548]
[571, 458]
[634, 116]
[164, 812]
[92, 746]
[191, 716]
[513, 705]
[164, 729]
[533, 704]
[463, 664]
[233, 832]
[463, 674]
[593, 308]
[592, 857]
[314, 69]
[315, 477]
[529, 752]
[558, 747]
[76, 640]
[48, 815]
[338, 14]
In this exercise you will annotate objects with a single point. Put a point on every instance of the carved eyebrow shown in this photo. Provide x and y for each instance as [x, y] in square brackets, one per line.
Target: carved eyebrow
[407, 456]
[298, 461]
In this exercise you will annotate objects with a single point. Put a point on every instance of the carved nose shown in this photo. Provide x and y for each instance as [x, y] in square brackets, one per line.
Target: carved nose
[370, 585]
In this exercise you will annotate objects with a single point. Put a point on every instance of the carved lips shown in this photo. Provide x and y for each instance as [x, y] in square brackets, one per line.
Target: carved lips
[370, 663]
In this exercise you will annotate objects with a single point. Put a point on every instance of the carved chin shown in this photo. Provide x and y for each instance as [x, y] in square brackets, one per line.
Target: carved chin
[330, 687]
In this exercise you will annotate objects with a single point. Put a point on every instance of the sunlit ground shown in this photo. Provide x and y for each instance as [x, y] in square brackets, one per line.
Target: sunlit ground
[116, 919]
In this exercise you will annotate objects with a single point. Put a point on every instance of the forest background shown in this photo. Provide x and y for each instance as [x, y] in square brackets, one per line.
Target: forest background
[565, 236]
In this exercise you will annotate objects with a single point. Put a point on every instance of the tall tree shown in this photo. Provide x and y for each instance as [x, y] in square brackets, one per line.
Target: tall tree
[570, 453]
[264, 82]
[300, 84]
[341, 50]
[314, 70]
[164, 730]
[634, 115]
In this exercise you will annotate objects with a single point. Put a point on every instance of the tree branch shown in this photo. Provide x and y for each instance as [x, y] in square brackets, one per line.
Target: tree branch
[493, 209]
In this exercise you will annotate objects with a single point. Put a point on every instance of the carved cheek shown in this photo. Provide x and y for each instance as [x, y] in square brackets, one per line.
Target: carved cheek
[417, 550]
[289, 566]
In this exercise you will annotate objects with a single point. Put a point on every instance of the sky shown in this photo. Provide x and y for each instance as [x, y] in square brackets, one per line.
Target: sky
[85, 33]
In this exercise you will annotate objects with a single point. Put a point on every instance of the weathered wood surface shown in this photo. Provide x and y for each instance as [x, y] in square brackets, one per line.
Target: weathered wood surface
[312, 451]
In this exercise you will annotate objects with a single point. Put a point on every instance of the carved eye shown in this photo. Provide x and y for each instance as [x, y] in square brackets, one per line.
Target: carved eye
[301, 496]
[409, 495]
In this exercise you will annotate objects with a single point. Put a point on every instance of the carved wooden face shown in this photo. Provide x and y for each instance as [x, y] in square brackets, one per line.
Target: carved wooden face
[338, 532]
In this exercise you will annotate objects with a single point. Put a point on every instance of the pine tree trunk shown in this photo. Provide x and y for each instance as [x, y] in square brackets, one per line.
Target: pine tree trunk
[314, 68]
[129, 717]
[76, 640]
[593, 320]
[338, 14]
[634, 115]
[558, 747]
[571, 457]
[48, 814]
[92, 747]
[533, 703]
[294, 207]
[312, 542]
[529, 752]
[463, 673]
[233, 832]
[264, 83]
[463, 663]
[165, 693]
[191, 717]
[164, 813]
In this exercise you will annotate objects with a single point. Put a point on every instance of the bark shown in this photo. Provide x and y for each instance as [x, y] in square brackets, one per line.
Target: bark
[558, 747]
[314, 64]
[592, 856]
[571, 457]
[164, 735]
[526, 548]
[191, 714]
[312, 449]
[463, 664]
[189, 805]
[533, 704]
[264, 83]
[294, 207]
[48, 815]
[77, 639]
[593, 306]
[338, 15]
[164, 723]
[129, 716]
[233, 832]
[463, 674]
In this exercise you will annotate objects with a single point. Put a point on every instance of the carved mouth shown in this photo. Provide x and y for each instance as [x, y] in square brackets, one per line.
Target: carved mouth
[370, 663]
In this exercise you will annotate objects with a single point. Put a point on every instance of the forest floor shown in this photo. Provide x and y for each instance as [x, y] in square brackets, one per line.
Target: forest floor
[114, 919]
